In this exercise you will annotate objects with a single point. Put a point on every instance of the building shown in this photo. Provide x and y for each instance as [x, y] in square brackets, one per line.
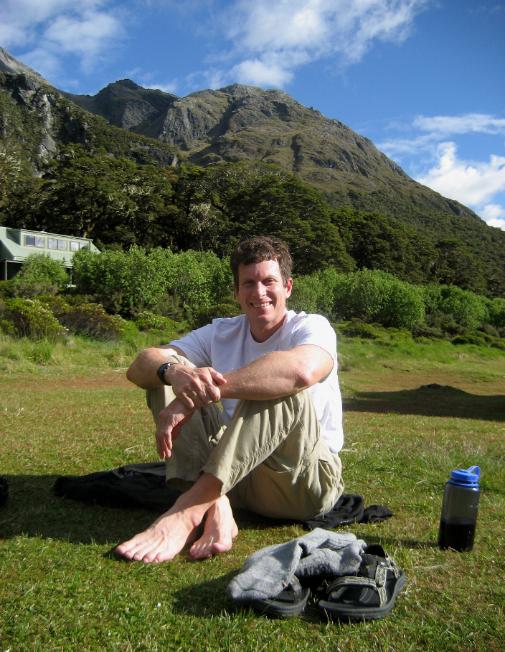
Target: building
[17, 244]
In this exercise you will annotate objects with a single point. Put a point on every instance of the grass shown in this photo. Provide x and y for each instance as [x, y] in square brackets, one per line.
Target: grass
[413, 412]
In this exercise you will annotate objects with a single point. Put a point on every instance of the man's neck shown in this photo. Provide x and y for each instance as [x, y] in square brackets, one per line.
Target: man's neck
[264, 334]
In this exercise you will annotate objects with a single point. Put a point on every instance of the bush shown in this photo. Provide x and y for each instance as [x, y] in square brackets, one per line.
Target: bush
[149, 321]
[454, 310]
[315, 293]
[375, 296]
[29, 318]
[91, 319]
[358, 328]
[206, 315]
[132, 282]
[40, 274]
[199, 280]
[496, 309]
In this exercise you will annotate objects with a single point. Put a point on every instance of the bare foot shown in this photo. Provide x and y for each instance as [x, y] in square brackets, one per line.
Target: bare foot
[169, 533]
[162, 541]
[219, 531]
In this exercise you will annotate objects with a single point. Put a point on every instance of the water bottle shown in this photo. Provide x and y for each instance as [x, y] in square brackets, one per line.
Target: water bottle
[459, 510]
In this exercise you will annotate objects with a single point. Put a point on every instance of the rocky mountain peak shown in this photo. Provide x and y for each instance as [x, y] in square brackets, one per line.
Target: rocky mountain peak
[12, 66]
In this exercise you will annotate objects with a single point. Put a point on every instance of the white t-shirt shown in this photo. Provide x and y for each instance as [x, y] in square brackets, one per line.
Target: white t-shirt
[227, 344]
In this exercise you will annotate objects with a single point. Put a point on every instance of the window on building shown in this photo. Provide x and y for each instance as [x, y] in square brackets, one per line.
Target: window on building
[56, 243]
[35, 241]
[75, 246]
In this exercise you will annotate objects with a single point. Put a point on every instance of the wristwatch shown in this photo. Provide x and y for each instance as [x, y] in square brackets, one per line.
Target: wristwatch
[162, 369]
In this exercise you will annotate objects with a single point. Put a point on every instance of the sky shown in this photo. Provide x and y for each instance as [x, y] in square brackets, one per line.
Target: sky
[423, 79]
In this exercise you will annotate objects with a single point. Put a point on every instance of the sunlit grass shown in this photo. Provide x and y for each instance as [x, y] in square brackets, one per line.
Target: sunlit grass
[75, 413]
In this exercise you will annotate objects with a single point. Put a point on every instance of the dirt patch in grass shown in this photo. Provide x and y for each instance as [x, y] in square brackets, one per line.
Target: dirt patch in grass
[102, 380]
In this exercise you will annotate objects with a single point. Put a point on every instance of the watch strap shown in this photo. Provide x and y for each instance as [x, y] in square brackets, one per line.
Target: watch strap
[163, 368]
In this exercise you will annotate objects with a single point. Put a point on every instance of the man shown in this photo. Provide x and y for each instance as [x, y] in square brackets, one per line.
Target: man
[273, 448]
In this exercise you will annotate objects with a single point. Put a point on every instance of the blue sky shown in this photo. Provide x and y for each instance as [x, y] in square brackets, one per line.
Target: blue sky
[423, 79]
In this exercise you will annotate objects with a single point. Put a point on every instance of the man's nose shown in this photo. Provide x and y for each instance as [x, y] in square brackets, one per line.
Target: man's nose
[259, 289]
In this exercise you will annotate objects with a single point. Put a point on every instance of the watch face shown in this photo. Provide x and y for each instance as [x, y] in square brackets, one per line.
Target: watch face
[161, 371]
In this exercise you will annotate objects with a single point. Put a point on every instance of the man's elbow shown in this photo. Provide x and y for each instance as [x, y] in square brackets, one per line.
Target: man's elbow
[136, 370]
[307, 375]
[304, 378]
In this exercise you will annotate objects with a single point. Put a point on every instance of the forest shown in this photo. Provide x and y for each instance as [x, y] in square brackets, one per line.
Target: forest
[119, 202]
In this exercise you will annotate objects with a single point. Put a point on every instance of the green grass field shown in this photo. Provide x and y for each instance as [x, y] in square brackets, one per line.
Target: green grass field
[413, 412]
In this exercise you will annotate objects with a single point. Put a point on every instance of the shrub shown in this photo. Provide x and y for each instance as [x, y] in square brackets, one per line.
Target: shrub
[199, 280]
[149, 321]
[206, 315]
[40, 274]
[132, 282]
[496, 309]
[315, 293]
[375, 296]
[453, 309]
[29, 318]
[91, 319]
[358, 328]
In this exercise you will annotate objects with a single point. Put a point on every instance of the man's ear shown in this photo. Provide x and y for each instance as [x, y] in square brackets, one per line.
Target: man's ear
[289, 287]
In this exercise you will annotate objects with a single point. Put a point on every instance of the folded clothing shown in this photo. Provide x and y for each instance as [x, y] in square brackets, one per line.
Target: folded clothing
[269, 571]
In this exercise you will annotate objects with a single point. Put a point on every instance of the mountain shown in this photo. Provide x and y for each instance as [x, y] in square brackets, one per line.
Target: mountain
[251, 128]
[239, 123]
[127, 105]
[36, 120]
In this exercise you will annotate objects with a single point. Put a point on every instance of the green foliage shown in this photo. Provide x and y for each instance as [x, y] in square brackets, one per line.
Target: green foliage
[358, 328]
[225, 203]
[315, 293]
[375, 296]
[199, 280]
[40, 274]
[91, 319]
[226, 309]
[496, 308]
[135, 281]
[453, 309]
[30, 318]
[123, 282]
[166, 326]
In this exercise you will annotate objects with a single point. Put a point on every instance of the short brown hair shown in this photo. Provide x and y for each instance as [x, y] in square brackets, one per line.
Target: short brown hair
[260, 248]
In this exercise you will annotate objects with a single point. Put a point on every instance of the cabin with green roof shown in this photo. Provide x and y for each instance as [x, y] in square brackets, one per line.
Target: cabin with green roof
[17, 244]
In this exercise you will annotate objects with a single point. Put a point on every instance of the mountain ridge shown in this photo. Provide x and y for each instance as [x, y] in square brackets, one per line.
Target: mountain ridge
[240, 122]
[228, 133]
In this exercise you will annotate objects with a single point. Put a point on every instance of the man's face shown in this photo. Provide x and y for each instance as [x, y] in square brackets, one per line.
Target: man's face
[262, 295]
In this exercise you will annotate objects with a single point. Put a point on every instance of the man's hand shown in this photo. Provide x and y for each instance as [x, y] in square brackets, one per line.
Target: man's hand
[170, 421]
[196, 387]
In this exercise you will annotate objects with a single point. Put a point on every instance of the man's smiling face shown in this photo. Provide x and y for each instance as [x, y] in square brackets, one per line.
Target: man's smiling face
[262, 295]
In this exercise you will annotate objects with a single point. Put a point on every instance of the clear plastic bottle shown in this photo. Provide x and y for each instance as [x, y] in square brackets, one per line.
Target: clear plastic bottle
[459, 510]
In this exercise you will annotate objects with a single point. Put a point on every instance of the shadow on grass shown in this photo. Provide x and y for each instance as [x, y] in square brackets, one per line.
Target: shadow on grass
[34, 510]
[430, 400]
[205, 599]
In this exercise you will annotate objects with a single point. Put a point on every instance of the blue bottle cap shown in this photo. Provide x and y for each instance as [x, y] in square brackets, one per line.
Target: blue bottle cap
[467, 477]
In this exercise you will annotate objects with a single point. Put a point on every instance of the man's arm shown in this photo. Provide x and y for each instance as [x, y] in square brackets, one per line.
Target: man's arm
[195, 386]
[278, 374]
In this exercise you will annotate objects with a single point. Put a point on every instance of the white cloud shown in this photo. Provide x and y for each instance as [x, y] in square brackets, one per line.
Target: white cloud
[494, 215]
[472, 183]
[262, 73]
[443, 125]
[84, 29]
[283, 35]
